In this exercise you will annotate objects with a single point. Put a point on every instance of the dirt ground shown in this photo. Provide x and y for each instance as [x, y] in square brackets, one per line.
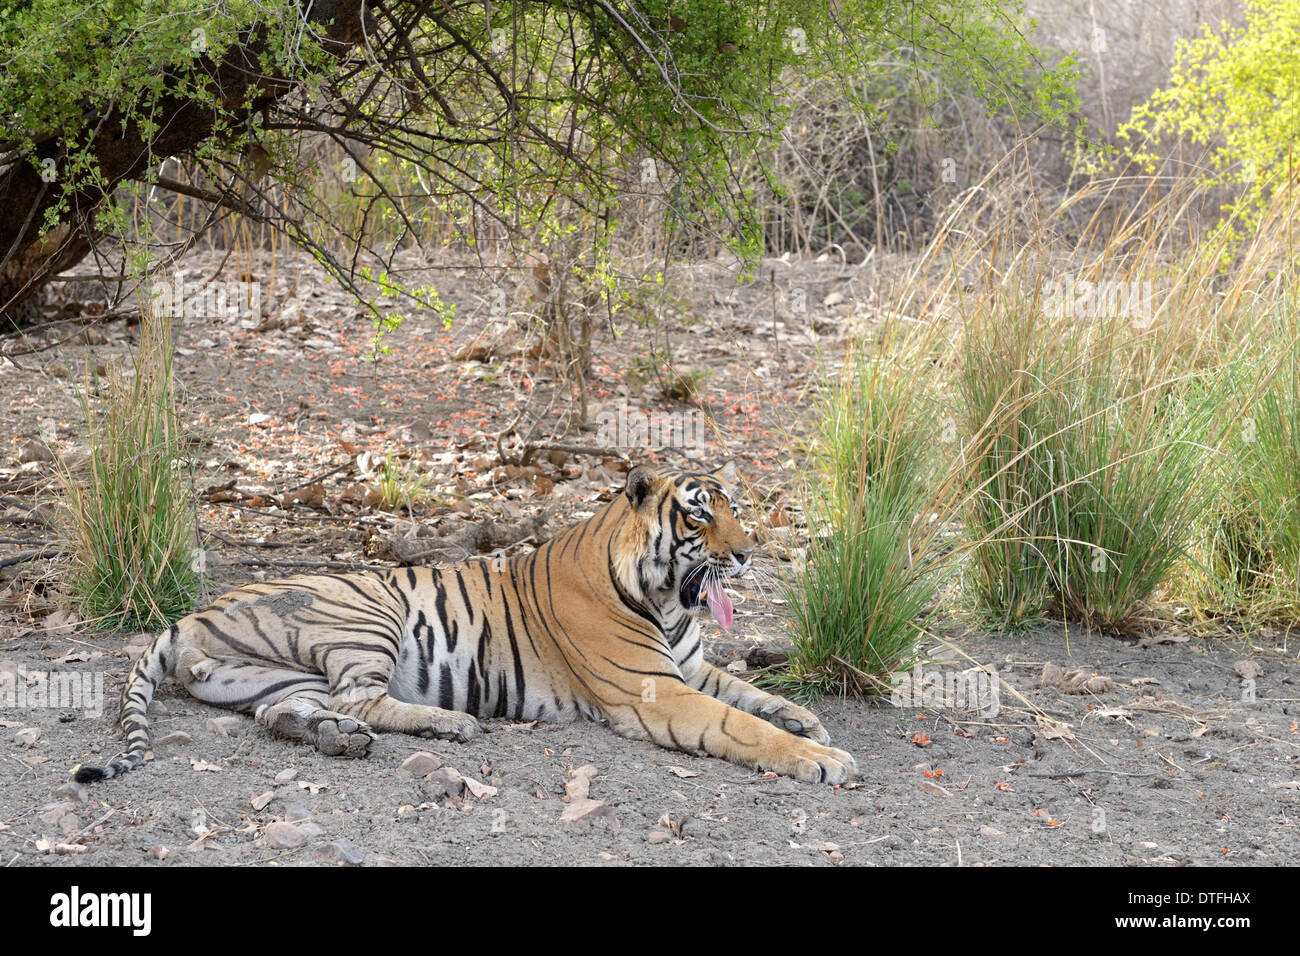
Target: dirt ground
[1177, 750]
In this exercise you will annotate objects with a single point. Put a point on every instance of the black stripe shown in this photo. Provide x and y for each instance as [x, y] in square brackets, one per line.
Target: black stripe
[446, 689]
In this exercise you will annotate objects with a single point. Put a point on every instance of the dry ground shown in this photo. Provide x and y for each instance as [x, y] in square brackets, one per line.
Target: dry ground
[1181, 759]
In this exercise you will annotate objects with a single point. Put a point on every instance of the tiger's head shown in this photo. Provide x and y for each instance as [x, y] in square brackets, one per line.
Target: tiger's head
[683, 539]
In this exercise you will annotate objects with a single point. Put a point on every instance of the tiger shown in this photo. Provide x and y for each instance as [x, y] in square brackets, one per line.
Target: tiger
[599, 622]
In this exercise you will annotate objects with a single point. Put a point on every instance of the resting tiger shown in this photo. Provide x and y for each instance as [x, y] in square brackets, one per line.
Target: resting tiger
[597, 622]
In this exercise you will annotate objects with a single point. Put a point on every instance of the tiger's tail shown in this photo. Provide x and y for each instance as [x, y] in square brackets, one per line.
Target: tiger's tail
[151, 669]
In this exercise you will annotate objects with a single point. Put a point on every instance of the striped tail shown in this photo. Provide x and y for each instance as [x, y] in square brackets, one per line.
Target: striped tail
[151, 669]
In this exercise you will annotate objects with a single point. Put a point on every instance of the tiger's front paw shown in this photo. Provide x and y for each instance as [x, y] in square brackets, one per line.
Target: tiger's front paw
[814, 763]
[795, 719]
[451, 725]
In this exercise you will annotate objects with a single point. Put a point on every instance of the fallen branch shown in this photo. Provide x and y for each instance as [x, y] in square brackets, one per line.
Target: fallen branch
[33, 556]
[1088, 771]
[598, 451]
[328, 565]
[482, 537]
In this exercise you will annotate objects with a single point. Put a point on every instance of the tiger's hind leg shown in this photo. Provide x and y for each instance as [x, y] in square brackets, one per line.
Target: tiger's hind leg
[358, 682]
[290, 703]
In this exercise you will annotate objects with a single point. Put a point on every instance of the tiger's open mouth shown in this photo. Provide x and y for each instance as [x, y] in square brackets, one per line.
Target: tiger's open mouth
[703, 585]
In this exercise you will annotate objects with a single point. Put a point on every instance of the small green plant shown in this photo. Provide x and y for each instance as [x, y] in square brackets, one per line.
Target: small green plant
[129, 520]
[400, 487]
[676, 384]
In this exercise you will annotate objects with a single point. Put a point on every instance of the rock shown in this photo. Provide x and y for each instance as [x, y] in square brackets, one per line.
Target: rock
[989, 831]
[284, 836]
[420, 764]
[761, 656]
[296, 811]
[1248, 670]
[343, 853]
[27, 737]
[448, 780]
[658, 836]
[580, 786]
[72, 791]
[311, 830]
[482, 791]
[287, 774]
[158, 852]
[55, 812]
[225, 725]
[176, 738]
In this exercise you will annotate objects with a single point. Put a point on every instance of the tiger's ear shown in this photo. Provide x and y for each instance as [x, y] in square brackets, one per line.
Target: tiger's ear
[726, 474]
[641, 483]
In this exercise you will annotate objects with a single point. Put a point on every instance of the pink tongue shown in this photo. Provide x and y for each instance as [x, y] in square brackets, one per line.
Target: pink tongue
[719, 603]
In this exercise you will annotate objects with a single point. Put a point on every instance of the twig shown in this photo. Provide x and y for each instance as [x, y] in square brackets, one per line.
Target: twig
[33, 556]
[90, 826]
[315, 478]
[599, 451]
[235, 543]
[332, 565]
[1088, 771]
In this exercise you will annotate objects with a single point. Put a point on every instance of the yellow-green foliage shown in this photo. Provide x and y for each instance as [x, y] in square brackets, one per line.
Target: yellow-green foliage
[1236, 92]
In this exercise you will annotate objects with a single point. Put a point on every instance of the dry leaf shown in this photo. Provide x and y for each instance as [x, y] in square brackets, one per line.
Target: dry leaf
[584, 812]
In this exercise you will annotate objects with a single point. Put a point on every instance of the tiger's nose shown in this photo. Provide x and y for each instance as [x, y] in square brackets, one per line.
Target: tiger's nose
[743, 555]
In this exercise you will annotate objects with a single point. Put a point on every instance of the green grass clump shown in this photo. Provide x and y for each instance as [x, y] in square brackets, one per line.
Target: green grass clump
[1091, 478]
[868, 576]
[1244, 563]
[129, 519]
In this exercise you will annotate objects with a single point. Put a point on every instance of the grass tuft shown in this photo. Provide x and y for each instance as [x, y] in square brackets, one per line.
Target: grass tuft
[129, 519]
